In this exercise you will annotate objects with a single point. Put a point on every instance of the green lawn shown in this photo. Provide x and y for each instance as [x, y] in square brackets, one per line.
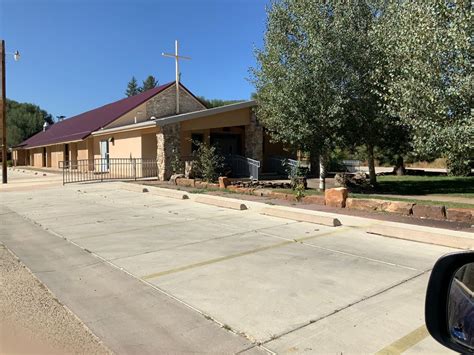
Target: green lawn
[424, 185]
[415, 186]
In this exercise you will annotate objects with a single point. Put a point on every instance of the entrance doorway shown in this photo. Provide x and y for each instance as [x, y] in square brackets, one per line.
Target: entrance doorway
[227, 143]
[66, 152]
[43, 162]
[104, 155]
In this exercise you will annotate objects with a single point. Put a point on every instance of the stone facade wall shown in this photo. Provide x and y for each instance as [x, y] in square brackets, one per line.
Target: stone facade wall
[168, 145]
[254, 139]
[164, 104]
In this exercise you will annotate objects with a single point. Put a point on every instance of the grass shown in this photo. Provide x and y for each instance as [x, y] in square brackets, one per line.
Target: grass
[414, 186]
[425, 185]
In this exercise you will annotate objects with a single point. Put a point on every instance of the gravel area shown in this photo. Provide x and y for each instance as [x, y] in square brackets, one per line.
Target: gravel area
[32, 321]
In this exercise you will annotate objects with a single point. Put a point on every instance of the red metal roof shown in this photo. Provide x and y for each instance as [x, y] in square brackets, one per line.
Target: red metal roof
[81, 126]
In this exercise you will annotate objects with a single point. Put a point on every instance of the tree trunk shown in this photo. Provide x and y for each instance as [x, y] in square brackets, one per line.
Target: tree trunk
[370, 159]
[322, 173]
[399, 167]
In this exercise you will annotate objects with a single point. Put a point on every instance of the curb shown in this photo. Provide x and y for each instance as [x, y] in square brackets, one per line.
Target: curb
[225, 202]
[422, 236]
[291, 213]
[157, 191]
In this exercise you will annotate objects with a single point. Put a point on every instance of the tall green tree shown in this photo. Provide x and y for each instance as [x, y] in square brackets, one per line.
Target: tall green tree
[24, 120]
[149, 83]
[427, 75]
[132, 87]
[313, 76]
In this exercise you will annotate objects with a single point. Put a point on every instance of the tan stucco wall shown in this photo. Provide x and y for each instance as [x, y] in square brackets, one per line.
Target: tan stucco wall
[275, 148]
[37, 157]
[149, 146]
[82, 152]
[227, 119]
[125, 144]
[19, 157]
[73, 152]
[129, 118]
[57, 155]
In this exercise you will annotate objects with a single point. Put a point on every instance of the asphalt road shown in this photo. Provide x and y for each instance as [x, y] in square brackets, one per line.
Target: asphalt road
[154, 274]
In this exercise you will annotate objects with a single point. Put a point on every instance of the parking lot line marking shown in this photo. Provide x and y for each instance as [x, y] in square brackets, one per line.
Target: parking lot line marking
[406, 342]
[232, 256]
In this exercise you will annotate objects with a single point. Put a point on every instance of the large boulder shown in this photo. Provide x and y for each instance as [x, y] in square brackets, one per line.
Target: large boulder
[314, 199]
[403, 208]
[429, 211]
[340, 180]
[185, 182]
[460, 214]
[336, 197]
[366, 204]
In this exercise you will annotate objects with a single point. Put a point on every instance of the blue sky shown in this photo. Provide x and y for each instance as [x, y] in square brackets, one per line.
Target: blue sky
[80, 54]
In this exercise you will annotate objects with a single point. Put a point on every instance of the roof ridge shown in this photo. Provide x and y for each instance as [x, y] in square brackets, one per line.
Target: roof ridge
[82, 125]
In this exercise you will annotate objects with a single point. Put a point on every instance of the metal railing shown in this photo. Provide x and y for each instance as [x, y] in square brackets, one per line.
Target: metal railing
[104, 169]
[243, 166]
[279, 165]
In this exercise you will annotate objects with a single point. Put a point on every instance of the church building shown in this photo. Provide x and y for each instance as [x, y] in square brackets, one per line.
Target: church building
[158, 125]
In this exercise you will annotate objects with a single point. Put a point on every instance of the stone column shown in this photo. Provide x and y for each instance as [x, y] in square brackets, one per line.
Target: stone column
[167, 145]
[254, 140]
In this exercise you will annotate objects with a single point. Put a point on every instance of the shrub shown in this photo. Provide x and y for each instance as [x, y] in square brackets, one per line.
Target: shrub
[297, 174]
[459, 167]
[208, 163]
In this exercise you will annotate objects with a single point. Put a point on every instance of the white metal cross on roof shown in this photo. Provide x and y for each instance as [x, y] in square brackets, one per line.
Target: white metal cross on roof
[177, 57]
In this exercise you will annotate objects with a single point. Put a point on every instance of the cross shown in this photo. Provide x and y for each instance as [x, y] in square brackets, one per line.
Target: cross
[176, 58]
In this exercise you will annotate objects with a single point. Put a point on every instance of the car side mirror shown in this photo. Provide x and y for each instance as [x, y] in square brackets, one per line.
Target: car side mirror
[449, 307]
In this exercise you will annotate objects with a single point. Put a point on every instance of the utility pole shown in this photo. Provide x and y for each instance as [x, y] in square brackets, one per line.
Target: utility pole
[176, 57]
[3, 109]
[3, 114]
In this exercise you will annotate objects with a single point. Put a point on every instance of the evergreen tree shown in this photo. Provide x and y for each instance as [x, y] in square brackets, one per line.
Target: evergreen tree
[132, 87]
[149, 83]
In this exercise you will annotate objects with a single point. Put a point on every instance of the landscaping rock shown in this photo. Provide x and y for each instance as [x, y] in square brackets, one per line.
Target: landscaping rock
[283, 196]
[403, 208]
[428, 211]
[366, 204]
[460, 214]
[223, 182]
[200, 184]
[174, 177]
[185, 182]
[340, 180]
[316, 199]
[336, 197]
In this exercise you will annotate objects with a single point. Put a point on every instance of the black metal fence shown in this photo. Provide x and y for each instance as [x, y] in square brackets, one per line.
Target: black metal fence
[104, 169]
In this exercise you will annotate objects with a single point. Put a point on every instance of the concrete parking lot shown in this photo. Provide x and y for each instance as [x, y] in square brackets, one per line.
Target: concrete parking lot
[215, 279]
